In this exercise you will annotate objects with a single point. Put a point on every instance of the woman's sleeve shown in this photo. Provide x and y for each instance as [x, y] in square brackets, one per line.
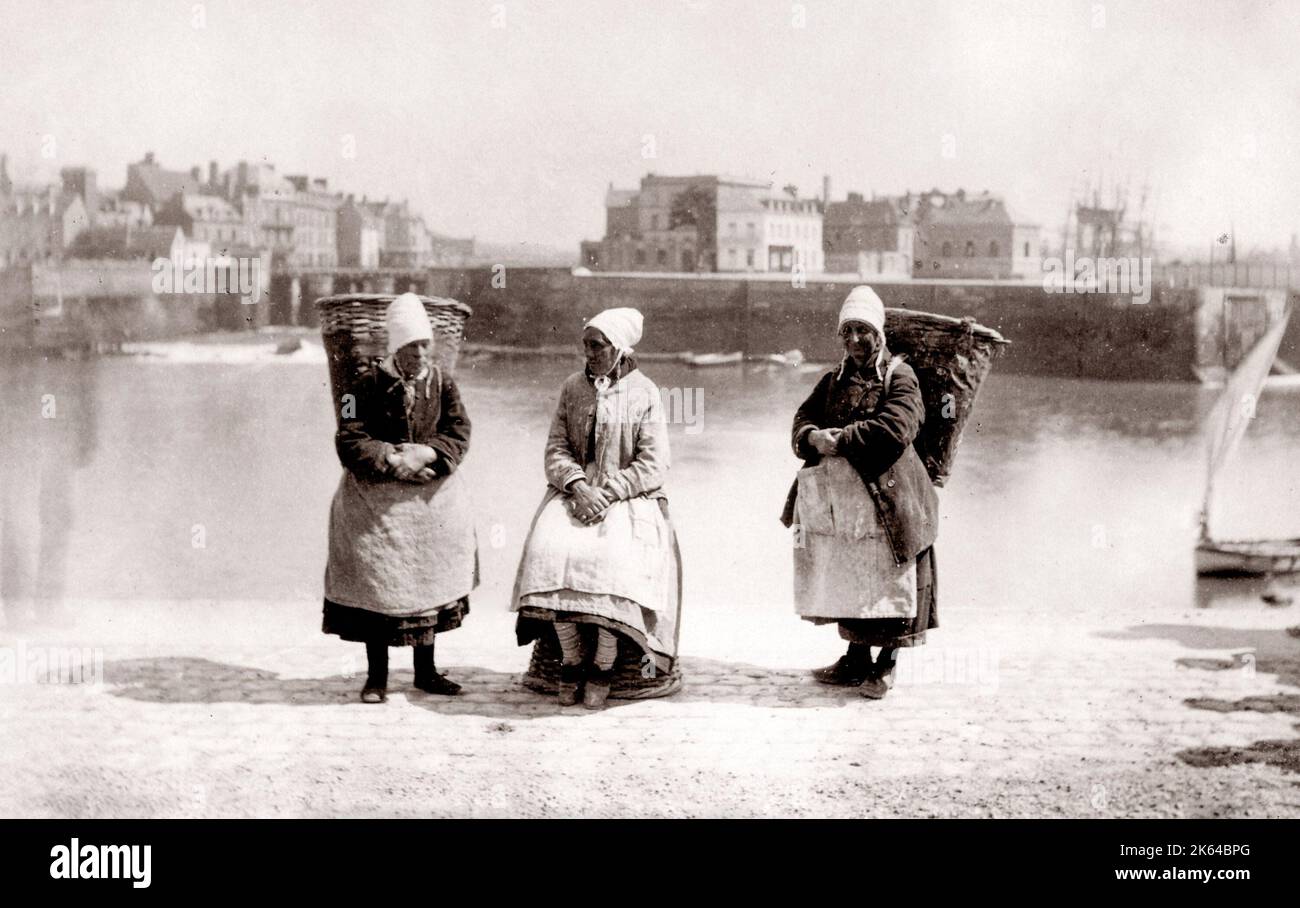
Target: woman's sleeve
[361, 453]
[807, 418]
[649, 454]
[561, 465]
[452, 438]
[873, 444]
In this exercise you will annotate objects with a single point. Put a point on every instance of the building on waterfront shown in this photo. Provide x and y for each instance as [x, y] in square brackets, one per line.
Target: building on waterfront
[206, 219]
[869, 237]
[150, 184]
[707, 223]
[37, 223]
[930, 234]
[315, 222]
[972, 236]
[82, 181]
[360, 235]
[403, 237]
[115, 211]
[294, 217]
[129, 243]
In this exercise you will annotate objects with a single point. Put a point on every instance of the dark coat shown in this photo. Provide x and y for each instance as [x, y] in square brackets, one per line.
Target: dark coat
[378, 422]
[877, 441]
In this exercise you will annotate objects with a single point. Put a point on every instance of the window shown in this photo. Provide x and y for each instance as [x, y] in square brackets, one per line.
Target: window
[654, 222]
[1026, 250]
[750, 227]
[947, 250]
[731, 227]
[993, 249]
[661, 256]
[640, 256]
[970, 249]
[749, 257]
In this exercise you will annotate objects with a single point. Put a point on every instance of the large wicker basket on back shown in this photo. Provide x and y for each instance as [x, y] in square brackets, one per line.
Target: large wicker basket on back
[352, 329]
[951, 357]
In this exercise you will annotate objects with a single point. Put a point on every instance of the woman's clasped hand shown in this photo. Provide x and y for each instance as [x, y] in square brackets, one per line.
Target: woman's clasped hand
[588, 503]
[412, 462]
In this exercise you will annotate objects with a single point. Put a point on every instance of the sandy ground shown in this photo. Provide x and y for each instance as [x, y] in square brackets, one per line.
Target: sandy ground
[190, 718]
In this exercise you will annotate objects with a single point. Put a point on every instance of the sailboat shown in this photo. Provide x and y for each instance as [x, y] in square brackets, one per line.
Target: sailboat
[1227, 424]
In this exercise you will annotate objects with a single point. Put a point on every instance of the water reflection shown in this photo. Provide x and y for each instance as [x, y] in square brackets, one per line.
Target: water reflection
[48, 433]
[212, 482]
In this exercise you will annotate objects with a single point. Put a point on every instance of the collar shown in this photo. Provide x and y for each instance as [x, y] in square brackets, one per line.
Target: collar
[849, 371]
[626, 364]
[388, 366]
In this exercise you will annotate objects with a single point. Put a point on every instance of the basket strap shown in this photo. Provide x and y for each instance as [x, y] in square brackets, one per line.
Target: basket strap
[894, 362]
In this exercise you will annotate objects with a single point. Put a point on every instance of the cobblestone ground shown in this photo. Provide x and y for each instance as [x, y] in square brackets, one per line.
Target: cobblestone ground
[245, 709]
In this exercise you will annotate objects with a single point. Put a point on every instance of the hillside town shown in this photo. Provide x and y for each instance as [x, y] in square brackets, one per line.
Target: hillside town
[248, 210]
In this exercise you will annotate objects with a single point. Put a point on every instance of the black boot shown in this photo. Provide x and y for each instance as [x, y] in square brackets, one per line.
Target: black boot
[427, 678]
[376, 689]
[570, 687]
[596, 691]
[848, 670]
[882, 677]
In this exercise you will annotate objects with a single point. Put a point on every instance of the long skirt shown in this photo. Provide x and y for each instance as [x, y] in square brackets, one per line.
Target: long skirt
[623, 574]
[361, 625]
[403, 560]
[845, 571]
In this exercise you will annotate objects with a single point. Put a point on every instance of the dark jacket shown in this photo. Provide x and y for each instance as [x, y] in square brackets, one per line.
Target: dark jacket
[377, 421]
[877, 441]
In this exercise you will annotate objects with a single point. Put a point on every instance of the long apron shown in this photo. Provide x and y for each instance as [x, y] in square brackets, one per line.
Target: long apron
[624, 568]
[401, 549]
[844, 566]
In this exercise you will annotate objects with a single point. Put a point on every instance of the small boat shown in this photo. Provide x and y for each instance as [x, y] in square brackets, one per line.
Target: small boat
[1244, 556]
[1228, 421]
[700, 360]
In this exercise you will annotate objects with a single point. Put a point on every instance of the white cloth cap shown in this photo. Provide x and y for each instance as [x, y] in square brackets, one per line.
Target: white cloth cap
[621, 327]
[862, 305]
[406, 321]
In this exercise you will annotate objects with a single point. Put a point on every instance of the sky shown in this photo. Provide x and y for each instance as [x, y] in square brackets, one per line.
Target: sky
[508, 120]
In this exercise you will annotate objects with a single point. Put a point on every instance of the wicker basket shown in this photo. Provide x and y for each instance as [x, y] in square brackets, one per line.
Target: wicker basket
[353, 331]
[629, 683]
[951, 357]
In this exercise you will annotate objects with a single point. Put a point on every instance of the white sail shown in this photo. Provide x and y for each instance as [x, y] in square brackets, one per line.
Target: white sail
[1236, 407]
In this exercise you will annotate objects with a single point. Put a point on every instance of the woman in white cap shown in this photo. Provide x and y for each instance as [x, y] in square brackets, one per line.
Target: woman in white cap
[600, 567]
[865, 512]
[402, 551]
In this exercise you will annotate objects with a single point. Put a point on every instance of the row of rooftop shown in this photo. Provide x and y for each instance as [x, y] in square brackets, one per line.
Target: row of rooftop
[250, 209]
[714, 223]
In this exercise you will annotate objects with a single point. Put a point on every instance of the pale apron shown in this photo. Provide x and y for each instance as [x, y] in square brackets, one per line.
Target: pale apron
[399, 548]
[628, 556]
[843, 563]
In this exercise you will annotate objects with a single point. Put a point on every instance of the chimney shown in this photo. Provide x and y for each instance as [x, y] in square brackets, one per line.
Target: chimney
[148, 157]
[826, 188]
[212, 173]
[196, 174]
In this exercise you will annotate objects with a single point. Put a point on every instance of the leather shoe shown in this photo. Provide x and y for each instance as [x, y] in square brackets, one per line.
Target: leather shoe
[438, 684]
[374, 695]
[597, 690]
[570, 682]
[875, 687]
[846, 672]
